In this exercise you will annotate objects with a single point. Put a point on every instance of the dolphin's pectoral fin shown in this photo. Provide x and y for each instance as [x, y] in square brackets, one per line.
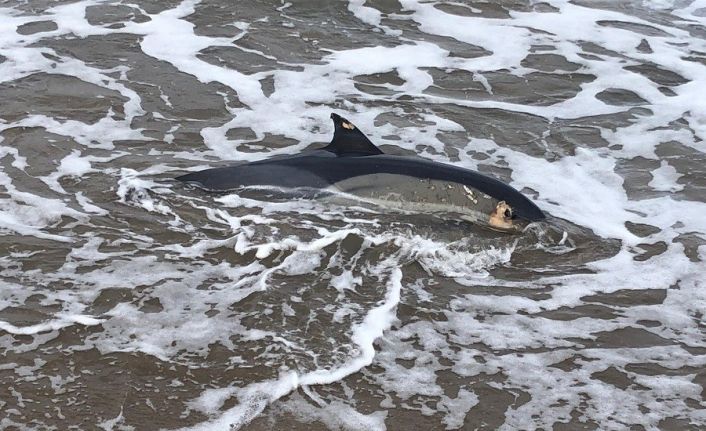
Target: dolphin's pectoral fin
[348, 140]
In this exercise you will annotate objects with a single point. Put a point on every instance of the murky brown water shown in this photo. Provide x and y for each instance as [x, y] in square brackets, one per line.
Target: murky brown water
[128, 301]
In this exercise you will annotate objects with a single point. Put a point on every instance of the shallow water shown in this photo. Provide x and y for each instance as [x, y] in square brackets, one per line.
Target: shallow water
[128, 301]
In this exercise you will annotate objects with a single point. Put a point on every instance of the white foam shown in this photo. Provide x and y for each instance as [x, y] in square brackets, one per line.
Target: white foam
[366, 14]
[457, 408]
[190, 278]
[255, 397]
[665, 179]
[53, 325]
[335, 415]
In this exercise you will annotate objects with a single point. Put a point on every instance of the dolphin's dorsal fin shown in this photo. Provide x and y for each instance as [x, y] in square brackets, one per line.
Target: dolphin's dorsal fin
[348, 140]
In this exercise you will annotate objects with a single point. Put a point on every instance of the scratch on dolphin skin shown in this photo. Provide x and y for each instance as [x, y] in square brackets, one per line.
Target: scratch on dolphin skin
[470, 195]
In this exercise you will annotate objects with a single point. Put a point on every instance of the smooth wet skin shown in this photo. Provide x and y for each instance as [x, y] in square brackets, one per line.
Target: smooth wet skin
[352, 156]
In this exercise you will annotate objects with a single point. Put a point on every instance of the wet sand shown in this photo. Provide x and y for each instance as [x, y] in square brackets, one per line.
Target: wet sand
[129, 301]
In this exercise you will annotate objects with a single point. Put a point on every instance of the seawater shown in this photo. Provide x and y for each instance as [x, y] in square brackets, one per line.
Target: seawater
[128, 301]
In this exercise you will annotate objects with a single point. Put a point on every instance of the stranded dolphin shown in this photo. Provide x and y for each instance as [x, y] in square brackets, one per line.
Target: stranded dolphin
[352, 165]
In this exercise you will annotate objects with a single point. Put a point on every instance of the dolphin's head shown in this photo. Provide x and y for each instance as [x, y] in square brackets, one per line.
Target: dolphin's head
[509, 218]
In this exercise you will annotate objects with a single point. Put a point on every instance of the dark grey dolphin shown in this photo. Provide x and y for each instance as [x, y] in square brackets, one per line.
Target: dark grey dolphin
[351, 165]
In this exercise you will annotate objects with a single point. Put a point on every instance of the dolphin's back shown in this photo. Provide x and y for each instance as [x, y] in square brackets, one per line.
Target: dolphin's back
[285, 172]
[319, 169]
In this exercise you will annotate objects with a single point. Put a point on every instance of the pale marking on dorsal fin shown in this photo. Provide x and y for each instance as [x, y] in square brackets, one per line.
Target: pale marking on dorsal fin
[348, 140]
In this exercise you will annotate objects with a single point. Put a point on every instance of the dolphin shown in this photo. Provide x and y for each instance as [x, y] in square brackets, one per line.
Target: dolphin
[352, 166]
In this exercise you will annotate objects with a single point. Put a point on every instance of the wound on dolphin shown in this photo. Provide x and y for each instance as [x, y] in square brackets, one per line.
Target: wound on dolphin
[351, 165]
